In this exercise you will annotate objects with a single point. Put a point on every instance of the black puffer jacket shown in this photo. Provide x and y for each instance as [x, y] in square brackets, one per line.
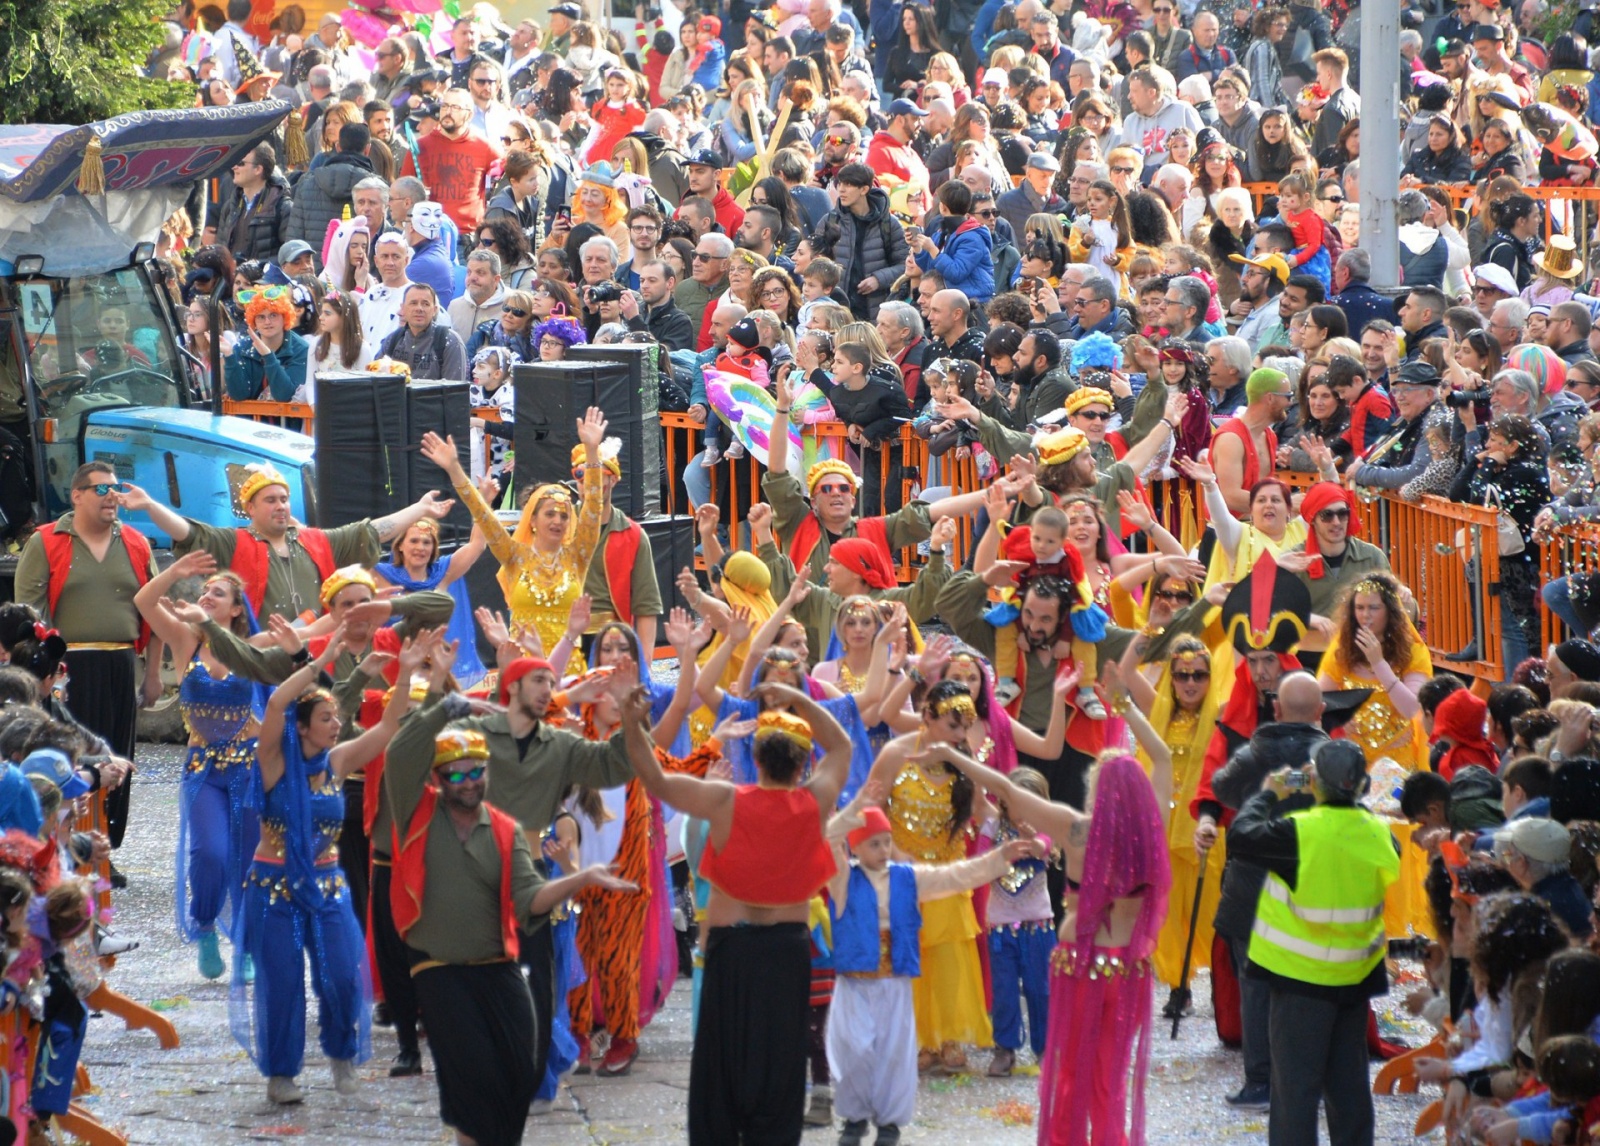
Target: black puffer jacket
[874, 244]
[322, 195]
[267, 227]
[1272, 747]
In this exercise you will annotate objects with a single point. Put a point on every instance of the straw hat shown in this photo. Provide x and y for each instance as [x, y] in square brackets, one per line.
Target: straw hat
[1560, 258]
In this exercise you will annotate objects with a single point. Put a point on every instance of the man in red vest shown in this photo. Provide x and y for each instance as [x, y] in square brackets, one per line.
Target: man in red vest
[464, 884]
[1245, 449]
[81, 572]
[283, 563]
[806, 530]
[622, 583]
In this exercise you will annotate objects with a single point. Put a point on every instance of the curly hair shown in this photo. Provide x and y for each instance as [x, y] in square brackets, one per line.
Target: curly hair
[1514, 930]
[559, 326]
[765, 275]
[1397, 635]
[281, 305]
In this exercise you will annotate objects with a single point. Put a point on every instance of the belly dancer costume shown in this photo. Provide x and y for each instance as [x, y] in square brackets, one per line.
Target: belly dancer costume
[948, 998]
[569, 976]
[217, 826]
[297, 905]
[1101, 996]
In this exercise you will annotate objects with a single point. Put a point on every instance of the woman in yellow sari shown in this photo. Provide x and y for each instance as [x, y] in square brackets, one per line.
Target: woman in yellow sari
[544, 563]
[1375, 646]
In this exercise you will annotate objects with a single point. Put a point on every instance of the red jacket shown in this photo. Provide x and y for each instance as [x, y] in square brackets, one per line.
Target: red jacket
[1372, 404]
[730, 216]
[888, 156]
[615, 123]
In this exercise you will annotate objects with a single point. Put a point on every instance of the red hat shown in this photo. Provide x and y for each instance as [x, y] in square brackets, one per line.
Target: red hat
[873, 822]
[1318, 498]
[1460, 719]
[865, 559]
[711, 25]
[518, 669]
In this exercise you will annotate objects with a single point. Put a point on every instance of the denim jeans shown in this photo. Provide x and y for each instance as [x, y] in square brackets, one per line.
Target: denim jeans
[1558, 599]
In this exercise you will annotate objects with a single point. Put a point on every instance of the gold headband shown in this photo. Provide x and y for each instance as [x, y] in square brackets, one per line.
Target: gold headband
[426, 524]
[1370, 585]
[553, 492]
[341, 579]
[961, 704]
[459, 744]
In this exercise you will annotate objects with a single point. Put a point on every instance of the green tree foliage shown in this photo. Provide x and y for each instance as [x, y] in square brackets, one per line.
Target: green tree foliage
[77, 61]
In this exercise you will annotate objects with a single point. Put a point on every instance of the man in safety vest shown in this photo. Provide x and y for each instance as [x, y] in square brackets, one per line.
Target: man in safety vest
[1318, 940]
[621, 583]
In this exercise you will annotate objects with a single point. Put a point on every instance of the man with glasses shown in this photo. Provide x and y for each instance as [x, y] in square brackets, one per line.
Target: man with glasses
[1095, 310]
[1187, 299]
[1566, 332]
[255, 218]
[1330, 559]
[455, 160]
[1245, 449]
[389, 76]
[1491, 284]
[1509, 323]
[708, 281]
[841, 146]
[1083, 174]
[80, 573]
[662, 319]
[644, 237]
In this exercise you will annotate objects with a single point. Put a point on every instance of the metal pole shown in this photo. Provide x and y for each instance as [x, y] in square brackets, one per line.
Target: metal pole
[1380, 138]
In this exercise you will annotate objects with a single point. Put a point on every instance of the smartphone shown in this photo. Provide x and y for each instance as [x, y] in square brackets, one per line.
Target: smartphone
[1409, 947]
[1297, 781]
[913, 233]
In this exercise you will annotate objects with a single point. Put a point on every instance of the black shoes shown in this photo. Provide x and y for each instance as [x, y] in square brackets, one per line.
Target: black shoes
[1254, 1096]
[407, 1064]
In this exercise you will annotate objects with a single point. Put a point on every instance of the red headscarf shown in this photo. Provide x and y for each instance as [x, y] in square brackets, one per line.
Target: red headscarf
[1460, 719]
[518, 669]
[865, 559]
[1318, 498]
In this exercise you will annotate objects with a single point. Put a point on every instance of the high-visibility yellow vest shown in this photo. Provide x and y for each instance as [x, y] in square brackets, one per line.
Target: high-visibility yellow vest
[1328, 930]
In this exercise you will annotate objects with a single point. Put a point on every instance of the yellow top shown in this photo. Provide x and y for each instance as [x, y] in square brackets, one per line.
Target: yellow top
[1251, 545]
[545, 587]
[1376, 726]
[920, 812]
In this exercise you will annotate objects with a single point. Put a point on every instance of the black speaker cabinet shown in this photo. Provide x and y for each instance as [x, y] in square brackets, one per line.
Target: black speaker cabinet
[552, 396]
[361, 459]
[645, 447]
[446, 409]
[672, 546]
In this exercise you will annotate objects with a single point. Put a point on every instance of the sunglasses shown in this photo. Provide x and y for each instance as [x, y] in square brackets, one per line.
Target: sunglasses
[486, 241]
[1190, 677]
[834, 487]
[515, 312]
[986, 214]
[1331, 198]
[508, 140]
[270, 292]
[1121, 170]
[1174, 595]
[1096, 415]
[702, 257]
[101, 488]
[482, 80]
[1334, 515]
[456, 776]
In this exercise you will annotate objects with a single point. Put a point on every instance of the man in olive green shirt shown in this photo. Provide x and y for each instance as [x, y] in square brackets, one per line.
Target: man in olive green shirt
[645, 608]
[1344, 561]
[481, 1021]
[293, 578]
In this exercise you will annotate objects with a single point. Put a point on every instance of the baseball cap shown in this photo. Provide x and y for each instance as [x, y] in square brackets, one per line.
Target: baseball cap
[1541, 840]
[1342, 767]
[995, 76]
[905, 107]
[1272, 262]
[705, 157]
[1488, 32]
[1418, 372]
[53, 765]
[570, 11]
[292, 250]
[1043, 161]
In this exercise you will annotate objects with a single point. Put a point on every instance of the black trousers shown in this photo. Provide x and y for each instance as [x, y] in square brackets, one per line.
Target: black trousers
[1255, 1016]
[394, 965]
[1319, 1055]
[747, 1075]
[481, 1033]
[104, 696]
[537, 953]
[355, 850]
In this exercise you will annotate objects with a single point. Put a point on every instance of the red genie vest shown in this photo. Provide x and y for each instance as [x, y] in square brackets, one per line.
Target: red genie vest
[411, 868]
[1252, 460]
[622, 548]
[250, 560]
[58, 555]
[809, 532]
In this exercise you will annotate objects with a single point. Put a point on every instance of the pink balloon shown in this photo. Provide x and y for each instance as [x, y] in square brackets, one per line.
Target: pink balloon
[365, 28]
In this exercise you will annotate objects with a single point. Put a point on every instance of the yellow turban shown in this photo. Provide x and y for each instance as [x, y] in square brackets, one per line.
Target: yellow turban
[458, 744]
[260, 478]
[747, 584]
[341, 579]
[610, 450]
[784, 723]
[1089, 396]
[1060, 446]
[831, 466]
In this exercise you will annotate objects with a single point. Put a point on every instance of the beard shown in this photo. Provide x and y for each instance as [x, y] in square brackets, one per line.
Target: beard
[1024, 374]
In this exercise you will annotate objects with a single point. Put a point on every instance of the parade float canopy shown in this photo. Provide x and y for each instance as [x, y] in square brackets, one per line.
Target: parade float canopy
[151, 160]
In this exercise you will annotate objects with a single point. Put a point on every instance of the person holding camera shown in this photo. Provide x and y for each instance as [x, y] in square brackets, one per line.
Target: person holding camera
[1318, 938]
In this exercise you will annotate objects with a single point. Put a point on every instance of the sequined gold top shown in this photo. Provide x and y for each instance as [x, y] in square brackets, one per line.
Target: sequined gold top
[920, 815]
[1377, 726]
[545, 587]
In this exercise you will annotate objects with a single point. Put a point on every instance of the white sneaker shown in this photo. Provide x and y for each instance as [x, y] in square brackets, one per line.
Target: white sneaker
[711, 457]
[541, 1106]
[344, 1077]
[1090, 705]
[283, 1091]
[735, 450]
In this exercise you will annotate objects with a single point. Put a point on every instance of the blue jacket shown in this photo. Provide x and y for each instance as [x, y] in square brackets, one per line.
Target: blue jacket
[279, 375]
[430, 263]
[1361, 304]
[855, 933]
[966, 261]
[709, 74]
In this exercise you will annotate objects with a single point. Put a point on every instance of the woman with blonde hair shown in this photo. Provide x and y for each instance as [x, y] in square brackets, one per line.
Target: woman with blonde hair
[883, 364]
[747, 116]
[944, 68]
[742, 268]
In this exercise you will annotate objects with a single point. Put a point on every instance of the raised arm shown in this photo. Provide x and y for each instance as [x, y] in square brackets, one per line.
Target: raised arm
[577, 624]
[463, 559]
[830, 774]
[151, 601]
[716, 667]
[269, 745]
[764, 637]
[442, 453]
[1054, 820]
[357, 753]
[680, 635]
[710, 800]
[170, 522]
[428, 505]
[877, 682]
[1144, 451]
[1230, 530]
[1146, 735]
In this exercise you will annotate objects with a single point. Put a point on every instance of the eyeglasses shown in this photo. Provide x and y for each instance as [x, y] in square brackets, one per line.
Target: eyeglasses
[508, 140]
[1334, 515]
[101, 488]
[1191, 677]
[834, 487]
[1174, 595]
[389, 55]
[515, 312]
[645, 228]
[776, 292]
[1095, 415]
[1119, 170]
[1282, 393]
[456, 776]
[486, 241]
[990, 214]
[702, 257]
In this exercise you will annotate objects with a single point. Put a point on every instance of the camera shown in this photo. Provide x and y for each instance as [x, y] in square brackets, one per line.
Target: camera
[605, 292]
[1297, 781]
[1409, 947]
[1461, 399]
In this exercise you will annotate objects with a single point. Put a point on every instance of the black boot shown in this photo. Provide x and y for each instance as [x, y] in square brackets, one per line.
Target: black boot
[853, 1133]
[407, 1064]
[888, 1136]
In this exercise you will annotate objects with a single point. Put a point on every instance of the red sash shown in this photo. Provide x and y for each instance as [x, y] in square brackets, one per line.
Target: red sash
[411, 869]
[622, 549]
[250, 561]
[809, 532]
[58, 555]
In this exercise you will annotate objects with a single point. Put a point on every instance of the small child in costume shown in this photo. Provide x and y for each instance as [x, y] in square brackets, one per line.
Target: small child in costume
[1022, 934]
[1041, 545]
[743, 357]
[491, 386]
[877, 924]
[1309, 256]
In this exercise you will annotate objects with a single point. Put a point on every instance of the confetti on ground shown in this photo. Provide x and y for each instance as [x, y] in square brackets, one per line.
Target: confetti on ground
[1026, 1070]
[1011, 1112]
[949, 1083]
[279, 1131]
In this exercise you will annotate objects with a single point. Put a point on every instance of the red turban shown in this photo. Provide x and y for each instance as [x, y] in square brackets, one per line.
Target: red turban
[873, 823]
[1318, 498]
[866, 560]
[518, 669]
[1460, 719]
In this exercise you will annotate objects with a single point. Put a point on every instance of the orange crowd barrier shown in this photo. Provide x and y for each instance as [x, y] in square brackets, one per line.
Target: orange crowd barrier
[277, 413]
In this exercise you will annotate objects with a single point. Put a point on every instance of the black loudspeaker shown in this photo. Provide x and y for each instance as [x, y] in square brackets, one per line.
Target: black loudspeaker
[645, 447]
[446, 409]
[483, 590]
[552, 396]
[672, 546]
[361, 459]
